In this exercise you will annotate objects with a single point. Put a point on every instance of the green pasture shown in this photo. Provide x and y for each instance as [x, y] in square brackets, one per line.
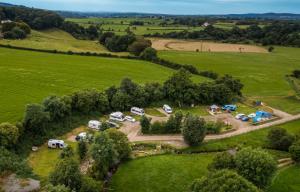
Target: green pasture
[28, 77]
[164, 173]
[263, 74]
[56, 39]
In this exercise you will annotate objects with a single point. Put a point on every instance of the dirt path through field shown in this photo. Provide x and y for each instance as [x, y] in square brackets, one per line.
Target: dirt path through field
[204, 46]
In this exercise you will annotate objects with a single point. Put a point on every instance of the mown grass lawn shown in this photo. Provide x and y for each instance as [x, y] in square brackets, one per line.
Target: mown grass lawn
[286, 180]
[164, 173]
[254, 139]
[263, 74]
[28, 77]
[154, 112]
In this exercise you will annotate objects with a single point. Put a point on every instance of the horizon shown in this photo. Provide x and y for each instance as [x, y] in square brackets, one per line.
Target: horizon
[187, 7]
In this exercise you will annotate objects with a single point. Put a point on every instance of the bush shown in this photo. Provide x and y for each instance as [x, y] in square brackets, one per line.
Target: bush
[137, 47]
[280, 139]
[149, 54]
[223, 181]
[9, 135]
[193, 130]
[295, 151]
[213, 128]
[82, 149]
[121, 143]
[67, 152]
[145, 123]
[255, 165]
[222, 160]
[57, 188]
[90, 185]
[157, 128]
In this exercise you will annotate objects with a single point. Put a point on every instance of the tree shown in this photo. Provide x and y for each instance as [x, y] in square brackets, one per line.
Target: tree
[90, 185]
[67, 152]
[57, 188]
[104, 153]
[56, 107]
[121, 101]
[121, 143]
[222, 160]
[193, 130]
[9, 135]
[173, 125]
[66, 172]
[234, 85]
[149, 54]
[255, 165]
[295, 151]
[223, 181]
[271, 49]
[137, 47]
[280, 139]
[145, 123]
[86, 101]
[179, 88]
[82, 149]
[36, 119]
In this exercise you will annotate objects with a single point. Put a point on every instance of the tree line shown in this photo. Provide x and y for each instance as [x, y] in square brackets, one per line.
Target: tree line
[284, 33]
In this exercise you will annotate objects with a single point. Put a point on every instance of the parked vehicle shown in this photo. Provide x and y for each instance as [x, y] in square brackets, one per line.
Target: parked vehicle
[56, 144]
[94, 124]
[240, 116]
[137, 111]
[130, 119]
[167, 109]
[117, 116]
[229, 107]
[245, 118]
[83, 136]
[252, 115]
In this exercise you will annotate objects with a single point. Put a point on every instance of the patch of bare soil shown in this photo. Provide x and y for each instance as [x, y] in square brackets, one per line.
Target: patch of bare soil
[204, 46]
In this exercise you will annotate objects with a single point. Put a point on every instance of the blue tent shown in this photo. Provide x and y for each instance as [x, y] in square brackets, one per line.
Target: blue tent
[263, 114]
[229, 107]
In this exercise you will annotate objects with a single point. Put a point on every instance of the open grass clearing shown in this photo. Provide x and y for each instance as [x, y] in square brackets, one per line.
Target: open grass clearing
[262, 74]
[286, 180]
[197, 110]
[163, 173]
[28, 77]
[154, 112]
[203, 46]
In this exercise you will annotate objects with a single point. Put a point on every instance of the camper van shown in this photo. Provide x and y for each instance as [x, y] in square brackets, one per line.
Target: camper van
[137, 111]
[116, 116]
[167, 109]
[56, 144]
[93, 124]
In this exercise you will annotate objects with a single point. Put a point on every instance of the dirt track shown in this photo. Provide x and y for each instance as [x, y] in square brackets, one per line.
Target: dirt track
[204, 46]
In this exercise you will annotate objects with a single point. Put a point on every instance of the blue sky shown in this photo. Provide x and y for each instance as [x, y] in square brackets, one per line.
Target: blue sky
[168, 6]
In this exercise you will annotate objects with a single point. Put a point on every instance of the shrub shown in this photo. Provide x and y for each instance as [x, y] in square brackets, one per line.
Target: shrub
[223, 181]
[193, 130]
[222, 160]
[57, 188]
[9, 134]
[295, 151]
[157, 128]
[149, 54]
[255, 165]
[213, 128]
[82, 149]
[67, 152]
[90, 185]
[280, 139]
[145, 124]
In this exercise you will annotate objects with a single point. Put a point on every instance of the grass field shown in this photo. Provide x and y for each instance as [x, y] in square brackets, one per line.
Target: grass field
[56, 39]
[262, 74]
[27, 77]
[163, 173]
[286, 180]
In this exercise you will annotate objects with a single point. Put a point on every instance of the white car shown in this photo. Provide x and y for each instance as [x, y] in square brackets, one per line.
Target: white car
[130, 119]
[252, 115]
[167, 109]
[240, 116]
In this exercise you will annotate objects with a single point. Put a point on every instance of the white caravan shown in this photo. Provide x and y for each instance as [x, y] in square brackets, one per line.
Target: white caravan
[167, 109]
[117, 116]
[56, 144]
[94, 124]
[137, 111]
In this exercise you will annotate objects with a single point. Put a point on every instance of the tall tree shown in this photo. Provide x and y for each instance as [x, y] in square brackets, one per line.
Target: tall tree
[194, 130]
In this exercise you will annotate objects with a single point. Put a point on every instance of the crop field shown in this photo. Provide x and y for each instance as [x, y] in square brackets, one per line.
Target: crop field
[56, 39]
[160, 173]
[262, 74]
[203, 46]
[27, 77]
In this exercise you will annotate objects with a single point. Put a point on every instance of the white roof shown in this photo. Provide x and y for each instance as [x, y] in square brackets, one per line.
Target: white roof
[56, 141]
[83, 134]
[94, 121]
[119, 114]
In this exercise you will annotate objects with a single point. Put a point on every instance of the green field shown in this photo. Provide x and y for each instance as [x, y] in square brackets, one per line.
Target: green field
[164, 173]
[262, 74]
[56, 39]
[27, 77]
[286, 180]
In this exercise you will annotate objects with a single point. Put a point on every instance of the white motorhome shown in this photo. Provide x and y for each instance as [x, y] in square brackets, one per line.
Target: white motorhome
[137, 111]
[167, 109]
[56, 144]
[117, 116]
[94, 124]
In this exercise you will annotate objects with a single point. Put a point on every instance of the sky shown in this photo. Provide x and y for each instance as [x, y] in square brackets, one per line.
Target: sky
[167, 6]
